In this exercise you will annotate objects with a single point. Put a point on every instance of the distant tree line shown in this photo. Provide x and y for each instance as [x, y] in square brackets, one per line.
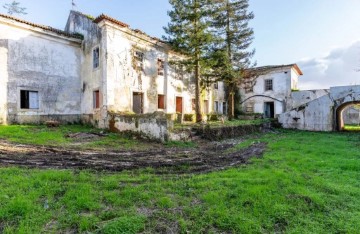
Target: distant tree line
[215, 38]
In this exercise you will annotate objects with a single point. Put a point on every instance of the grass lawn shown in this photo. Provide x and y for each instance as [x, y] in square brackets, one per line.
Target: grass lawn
[352, 127]
[44, 136]
[306, 183]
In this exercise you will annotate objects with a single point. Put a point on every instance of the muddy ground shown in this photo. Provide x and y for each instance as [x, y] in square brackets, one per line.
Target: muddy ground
[208, 156]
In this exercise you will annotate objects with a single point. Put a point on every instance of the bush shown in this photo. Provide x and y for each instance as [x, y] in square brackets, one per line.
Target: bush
[189, 117]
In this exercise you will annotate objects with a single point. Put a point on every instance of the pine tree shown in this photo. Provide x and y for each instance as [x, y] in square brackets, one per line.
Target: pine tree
[188, 33]
[14, 8]
[230, 20]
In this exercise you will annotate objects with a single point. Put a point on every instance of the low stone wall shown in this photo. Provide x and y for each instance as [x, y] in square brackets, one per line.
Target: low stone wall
[40, 119]
[153, 126]
[219, 133]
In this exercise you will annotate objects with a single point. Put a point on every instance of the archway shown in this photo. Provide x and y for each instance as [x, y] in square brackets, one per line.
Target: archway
[347, 115]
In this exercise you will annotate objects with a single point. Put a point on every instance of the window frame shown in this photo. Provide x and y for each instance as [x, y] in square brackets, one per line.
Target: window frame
[29, 106]
[139, 57]
[94, 61]
[266, 85]
[161, 67]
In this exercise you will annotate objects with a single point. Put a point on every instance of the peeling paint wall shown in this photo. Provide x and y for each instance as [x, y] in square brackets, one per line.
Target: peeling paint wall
[283, 81]
[3, 79]
[153, 126]
[321, 114]
[299, 98]
[43, 62]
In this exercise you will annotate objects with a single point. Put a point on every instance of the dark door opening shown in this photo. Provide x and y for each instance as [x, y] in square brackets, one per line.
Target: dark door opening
[179, 105]
[138, 104]
[269, 110]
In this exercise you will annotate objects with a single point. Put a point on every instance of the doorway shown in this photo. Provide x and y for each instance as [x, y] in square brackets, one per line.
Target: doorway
[179, 105]
[138, 103]
[269, 110]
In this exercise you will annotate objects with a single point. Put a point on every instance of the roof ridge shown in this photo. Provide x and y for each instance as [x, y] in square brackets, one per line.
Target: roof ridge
[45, 27]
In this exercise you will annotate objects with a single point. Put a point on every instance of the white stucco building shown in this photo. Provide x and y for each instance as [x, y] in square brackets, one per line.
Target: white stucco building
[267, 90]
[93, 67]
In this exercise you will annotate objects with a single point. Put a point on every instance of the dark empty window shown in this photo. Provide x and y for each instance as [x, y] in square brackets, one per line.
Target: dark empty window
[96, 99]
[161, 101]
[216, 106]
[139, 60]
[216, 85]
[268, 85]
[29, 99]
[224, 108]
[96, 57]
[161, 67]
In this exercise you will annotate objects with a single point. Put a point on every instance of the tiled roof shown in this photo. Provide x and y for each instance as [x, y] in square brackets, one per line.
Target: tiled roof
[122, 24]
[47, 28]
[106, 17]
[267, 69]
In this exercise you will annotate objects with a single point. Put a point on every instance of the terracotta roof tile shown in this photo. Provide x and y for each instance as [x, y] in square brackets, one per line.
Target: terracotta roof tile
[47, 28]
[106, 17]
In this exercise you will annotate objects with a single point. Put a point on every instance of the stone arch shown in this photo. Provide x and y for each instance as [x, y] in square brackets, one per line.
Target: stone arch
[339, 122]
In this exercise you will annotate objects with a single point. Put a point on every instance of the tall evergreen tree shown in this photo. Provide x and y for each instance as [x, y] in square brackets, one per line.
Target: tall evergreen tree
[230, 20]
[188, 33]
[14, 8]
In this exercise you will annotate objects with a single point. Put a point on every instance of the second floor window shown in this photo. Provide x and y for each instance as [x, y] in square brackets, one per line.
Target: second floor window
[216, 85]
[161, 67]
[96, 57]
[268, 85]
[139, 60]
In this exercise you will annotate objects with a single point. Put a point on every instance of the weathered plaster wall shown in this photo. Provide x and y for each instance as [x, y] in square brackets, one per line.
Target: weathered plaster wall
[92, 79]
[3, 80]
[299, 98]
[283, 80]
[321, 114]
[154, 126]
[315, 115]
[43, 62]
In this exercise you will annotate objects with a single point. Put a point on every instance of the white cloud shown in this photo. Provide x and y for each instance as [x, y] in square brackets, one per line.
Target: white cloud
[340, 67]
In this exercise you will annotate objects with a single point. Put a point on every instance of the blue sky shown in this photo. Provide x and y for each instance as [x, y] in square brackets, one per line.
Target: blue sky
[322, 36]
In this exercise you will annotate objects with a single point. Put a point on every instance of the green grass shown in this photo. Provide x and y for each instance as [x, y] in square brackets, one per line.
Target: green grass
[352, 128]
[42, 135]
[307, 182]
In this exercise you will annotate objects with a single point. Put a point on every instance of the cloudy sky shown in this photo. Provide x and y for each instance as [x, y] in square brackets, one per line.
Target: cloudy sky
[321, 36]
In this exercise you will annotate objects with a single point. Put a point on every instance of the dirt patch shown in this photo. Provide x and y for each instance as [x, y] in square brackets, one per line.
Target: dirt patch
[202, 159]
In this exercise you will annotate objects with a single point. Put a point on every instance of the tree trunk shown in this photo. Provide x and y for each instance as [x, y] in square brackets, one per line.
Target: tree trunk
[231, 102]
[197, 91]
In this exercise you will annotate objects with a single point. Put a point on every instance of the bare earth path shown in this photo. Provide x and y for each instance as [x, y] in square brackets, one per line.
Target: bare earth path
[208, 157]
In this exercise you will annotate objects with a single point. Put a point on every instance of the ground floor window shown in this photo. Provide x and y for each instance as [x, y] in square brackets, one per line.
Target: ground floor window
[161, 101]
[216, 106]
[224, 108]
[29, 99]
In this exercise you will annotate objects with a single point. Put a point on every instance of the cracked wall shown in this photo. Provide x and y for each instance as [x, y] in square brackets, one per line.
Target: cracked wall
[41, 62]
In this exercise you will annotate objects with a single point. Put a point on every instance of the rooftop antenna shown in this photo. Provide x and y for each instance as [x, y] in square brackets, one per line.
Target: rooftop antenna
[73, 5]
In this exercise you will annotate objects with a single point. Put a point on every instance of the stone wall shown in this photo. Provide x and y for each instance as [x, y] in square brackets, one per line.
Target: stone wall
[153, 126]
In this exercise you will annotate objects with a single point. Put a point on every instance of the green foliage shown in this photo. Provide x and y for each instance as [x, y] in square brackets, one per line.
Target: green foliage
[188, 33]
[307, 182]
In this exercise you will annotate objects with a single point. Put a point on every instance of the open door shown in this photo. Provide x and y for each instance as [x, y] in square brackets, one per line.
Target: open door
[269, 110]
[138, 104]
